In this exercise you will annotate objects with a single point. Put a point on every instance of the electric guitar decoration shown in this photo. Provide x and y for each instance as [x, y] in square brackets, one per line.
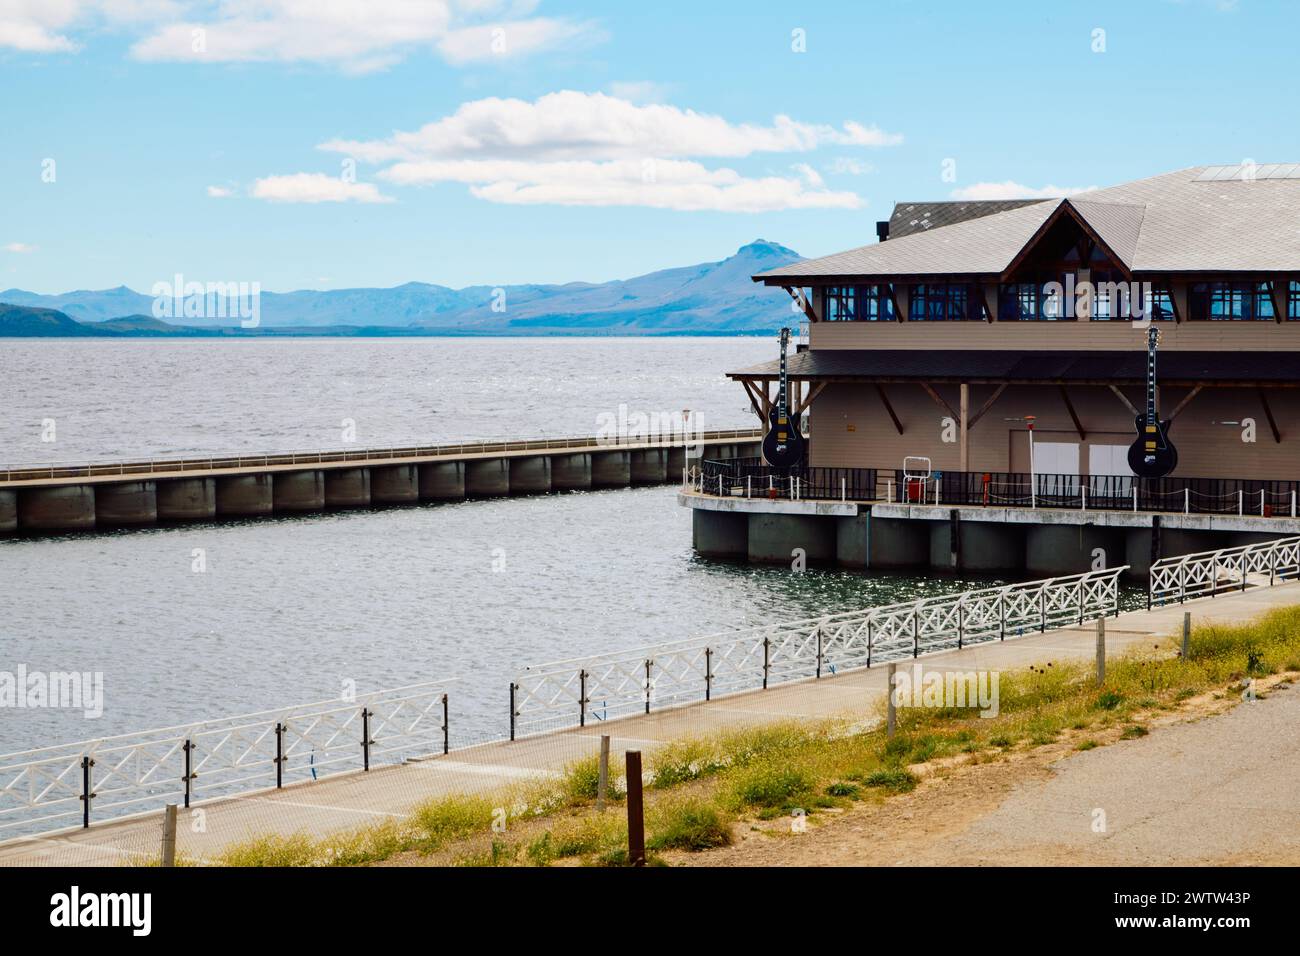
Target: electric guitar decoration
[783, 443]
[1152, 454]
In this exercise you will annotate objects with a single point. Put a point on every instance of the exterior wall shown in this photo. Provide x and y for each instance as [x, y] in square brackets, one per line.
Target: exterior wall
[850, 427]
[1065, 334]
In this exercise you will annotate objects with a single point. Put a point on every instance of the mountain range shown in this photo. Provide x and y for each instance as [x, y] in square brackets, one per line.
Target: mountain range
[706, 299]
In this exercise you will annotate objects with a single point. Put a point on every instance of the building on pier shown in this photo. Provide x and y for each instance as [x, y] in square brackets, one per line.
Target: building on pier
[991, 346]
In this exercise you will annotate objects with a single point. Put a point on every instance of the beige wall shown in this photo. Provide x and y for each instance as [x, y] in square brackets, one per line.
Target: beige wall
[850, 428]
[1106, 336]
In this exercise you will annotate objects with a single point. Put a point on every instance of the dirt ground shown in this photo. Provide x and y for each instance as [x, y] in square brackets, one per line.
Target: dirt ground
[1213, 783]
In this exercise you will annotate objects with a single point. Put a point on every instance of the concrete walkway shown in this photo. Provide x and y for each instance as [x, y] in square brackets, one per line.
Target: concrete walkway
[346, 801]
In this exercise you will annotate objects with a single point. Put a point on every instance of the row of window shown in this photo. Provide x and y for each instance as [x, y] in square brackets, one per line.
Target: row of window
[1048, 302]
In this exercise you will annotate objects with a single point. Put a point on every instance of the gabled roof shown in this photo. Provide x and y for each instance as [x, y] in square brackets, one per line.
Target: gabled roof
[1200, 219]
[913, 217]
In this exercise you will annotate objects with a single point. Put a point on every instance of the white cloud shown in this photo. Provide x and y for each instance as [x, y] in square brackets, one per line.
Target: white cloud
[593, 149]
[355, 35]
[639, 91]
[316, 187]
[220, 192]
[848, 166]
[574, 125]
[19, 247]
[1013, 190]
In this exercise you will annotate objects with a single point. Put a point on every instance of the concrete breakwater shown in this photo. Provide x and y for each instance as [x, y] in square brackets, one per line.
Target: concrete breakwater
[141, 494]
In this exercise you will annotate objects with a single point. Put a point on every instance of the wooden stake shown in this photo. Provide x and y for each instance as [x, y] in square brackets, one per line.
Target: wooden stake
[1187, 632]
[602, 784]
[635, 813]
[1101, 651]
[891, 723]
[169, 836]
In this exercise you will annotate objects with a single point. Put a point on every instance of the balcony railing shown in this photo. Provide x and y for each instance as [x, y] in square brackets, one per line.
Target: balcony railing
[752, 478]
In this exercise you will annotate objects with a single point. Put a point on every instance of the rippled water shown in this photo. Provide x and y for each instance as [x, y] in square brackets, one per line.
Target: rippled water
[289, 608]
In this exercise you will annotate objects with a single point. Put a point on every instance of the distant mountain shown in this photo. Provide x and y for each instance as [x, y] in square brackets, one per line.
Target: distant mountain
[24, 322]
[710, 298]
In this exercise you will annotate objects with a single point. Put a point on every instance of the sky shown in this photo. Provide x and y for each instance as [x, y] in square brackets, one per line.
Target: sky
[314, 144]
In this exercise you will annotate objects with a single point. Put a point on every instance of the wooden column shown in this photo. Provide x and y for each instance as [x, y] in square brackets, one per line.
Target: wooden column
[965, 429]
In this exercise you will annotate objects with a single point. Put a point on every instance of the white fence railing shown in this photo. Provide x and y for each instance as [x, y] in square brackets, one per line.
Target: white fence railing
[111, 776]
[597, 688]
[1208, 573]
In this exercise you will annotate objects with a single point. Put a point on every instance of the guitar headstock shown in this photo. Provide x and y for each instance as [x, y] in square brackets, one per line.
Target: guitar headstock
[785, 338]
[1153, 336]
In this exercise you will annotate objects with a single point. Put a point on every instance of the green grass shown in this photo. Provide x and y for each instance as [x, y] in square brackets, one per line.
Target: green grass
[896, 780]
[691, 824]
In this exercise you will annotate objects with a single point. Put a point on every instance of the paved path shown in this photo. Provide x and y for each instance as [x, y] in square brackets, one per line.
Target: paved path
[348, 800]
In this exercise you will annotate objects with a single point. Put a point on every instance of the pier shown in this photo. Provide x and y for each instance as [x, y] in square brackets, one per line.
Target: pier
[142, 493]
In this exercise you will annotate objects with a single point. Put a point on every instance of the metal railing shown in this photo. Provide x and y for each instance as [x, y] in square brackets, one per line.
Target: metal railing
[111, 776]
[606, 686]
[1208, 573]
[151, 466]
[750, 477]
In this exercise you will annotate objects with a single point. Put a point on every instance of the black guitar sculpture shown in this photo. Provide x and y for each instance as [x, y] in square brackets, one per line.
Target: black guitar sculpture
[1152, 454]
[783, 443]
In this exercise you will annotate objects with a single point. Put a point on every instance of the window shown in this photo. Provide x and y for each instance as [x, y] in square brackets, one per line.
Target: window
[1023, 302]
[1293, 302]
[870, 303]
[943, 302]
[1231, 302]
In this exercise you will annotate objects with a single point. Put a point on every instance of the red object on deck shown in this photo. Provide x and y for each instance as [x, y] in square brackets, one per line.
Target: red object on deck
[916, 489]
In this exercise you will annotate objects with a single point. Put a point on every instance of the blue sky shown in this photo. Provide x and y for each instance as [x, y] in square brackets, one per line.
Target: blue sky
[584, 141]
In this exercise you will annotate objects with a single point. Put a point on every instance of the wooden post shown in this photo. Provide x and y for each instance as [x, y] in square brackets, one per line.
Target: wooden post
[891, 722]
[169, 836]
[1187, 632]
[635, 814]
[965, 417]
[602, 782]
[1101, 651]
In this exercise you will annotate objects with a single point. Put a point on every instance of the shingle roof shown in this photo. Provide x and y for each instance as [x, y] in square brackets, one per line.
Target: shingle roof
[1175, 222]
[1034, 366]
[912, 217]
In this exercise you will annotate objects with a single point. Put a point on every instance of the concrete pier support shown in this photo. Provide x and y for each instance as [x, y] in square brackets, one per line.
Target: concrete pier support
[977, 547]
[676, 462]
[187, 499]
[611, 469]
[853, 541]
[648, 466]
[1171, 542]
[245, 496]
[1055, 550]
[347, 488]
[129, 504]
[61, 508]
[530, 476]
[720, 534]
[442, 481]
[897, 543]
[774, 538]
[8, 512]
[571, 472]
[394, 485]
[296, 491]
[487, 477]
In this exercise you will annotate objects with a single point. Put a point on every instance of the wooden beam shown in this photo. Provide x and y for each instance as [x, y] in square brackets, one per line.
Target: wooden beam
[754, 401]
[1268, 413]
[997, 393]
[880, 390]
[1074, 416]
[803, 303]
[1278, 290]
[1183, 404]
[939, 400]
[1123, 398]
[965, 428]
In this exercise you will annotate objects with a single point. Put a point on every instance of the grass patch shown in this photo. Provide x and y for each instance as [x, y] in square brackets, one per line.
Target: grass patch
[896, 780]
[690, 824]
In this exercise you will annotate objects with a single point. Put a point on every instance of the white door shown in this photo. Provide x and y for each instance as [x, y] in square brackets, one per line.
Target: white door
[1108, 471]
[1053, 459]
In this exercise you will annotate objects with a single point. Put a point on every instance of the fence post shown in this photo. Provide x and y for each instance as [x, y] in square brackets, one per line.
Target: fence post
[188, 747]
[169, 836]
[1101, 651]
[635, 813]
[279, 755]
[602, 779]
[767, 658]
[1042, 610]
[446, 727]
[1187, 500]
[648, 664]
[365, 738]
[86, 793]
[1241, 501]
[582, 697]
[512, 710]
[868, 641]
[708, 673]
[1081, 602]
[891, 720]
[1002, 615]
[1084, 491]
[916, 633]
[819, 652]
[1187, 632]
[1135, 498]
[961, 623]
[843, 490]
